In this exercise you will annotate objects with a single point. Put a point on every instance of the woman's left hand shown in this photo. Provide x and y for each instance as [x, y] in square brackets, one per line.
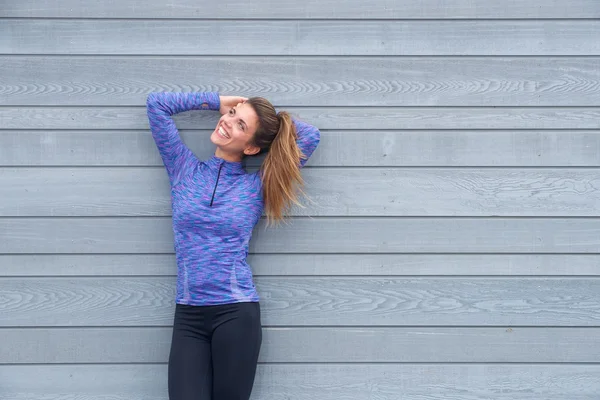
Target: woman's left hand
[228, 102]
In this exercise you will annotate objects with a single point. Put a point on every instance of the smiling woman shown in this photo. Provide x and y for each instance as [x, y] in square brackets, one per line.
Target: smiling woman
[217, 330]
[234, 133]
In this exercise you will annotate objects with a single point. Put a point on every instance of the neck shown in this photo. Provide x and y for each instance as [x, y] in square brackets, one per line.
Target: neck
[227, 156]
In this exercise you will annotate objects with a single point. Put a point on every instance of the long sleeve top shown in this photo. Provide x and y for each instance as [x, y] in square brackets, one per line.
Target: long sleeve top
[215, 205]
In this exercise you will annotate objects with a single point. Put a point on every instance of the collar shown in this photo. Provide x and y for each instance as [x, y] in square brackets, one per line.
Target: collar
[236, 167]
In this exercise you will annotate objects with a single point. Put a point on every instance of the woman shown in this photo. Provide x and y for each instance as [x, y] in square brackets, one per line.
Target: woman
[216, 204]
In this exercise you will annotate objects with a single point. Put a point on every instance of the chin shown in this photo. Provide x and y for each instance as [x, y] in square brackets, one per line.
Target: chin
[214, 138]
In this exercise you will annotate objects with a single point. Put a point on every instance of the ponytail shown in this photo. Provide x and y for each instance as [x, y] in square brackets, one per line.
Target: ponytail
[281, 171]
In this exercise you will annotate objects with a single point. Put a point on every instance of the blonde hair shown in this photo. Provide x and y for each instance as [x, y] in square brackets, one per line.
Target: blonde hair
[280, 170]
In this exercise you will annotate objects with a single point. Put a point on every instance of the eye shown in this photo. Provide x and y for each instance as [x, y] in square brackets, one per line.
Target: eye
[241, 125]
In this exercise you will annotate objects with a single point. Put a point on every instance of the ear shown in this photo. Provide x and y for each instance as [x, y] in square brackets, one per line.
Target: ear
[251, 150]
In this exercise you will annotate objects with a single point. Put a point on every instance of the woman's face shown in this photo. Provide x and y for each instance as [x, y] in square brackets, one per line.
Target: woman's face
[235, 130]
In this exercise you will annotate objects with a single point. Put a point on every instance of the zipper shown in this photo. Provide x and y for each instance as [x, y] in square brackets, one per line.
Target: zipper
[216, 184]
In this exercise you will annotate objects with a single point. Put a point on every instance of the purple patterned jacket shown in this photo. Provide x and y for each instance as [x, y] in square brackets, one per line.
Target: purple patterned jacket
[215, 205]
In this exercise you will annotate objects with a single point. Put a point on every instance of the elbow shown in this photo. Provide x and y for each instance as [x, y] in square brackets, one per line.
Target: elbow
[155, 104]
[315, 136]
[308, 131]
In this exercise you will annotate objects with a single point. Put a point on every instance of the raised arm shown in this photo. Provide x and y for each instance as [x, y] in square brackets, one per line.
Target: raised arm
[308, 138]
[178, 159]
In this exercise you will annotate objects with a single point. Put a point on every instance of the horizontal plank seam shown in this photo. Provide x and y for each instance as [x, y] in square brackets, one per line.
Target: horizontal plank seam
[366, 131]
[337, 363]
[312, 327]
[315, 276]
[303, 107]
[326, 131]
[303, 56]
[241, 55]
[308, 254]
[252, 166]
[444, 253]
[594, 217]
[299, 19]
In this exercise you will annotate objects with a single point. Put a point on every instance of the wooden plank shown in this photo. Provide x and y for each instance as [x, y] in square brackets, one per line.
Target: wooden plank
[313, 235]
[300, 81]
[131, 191]
[328, 38]
[363, 118]
[317, 381]
[310, 301]
[312, 264]
[348, 148]
[313, 345]
[290, 9]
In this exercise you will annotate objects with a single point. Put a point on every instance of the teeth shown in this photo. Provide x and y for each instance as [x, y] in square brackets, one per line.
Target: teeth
[223, 133]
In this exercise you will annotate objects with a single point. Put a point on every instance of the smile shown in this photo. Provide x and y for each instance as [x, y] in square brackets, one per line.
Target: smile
[222, 133]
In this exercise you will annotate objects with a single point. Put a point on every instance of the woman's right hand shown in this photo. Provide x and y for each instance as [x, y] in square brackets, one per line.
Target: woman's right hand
[228, 102]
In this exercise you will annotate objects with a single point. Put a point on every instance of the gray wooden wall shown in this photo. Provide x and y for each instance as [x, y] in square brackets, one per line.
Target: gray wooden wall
[451, 250]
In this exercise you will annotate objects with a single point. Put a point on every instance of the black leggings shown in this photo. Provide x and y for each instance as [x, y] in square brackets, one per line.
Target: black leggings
[214, 351]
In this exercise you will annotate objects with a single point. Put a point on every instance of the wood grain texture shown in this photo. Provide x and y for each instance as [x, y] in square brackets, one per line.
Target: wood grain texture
[305, 235]
[298, 81]
[290, 9]
[312, 345]
[316, 381]
[311, 264]
[365, 148]
[310, 301]
[296, 38]
[363, 118]
[121, 191]
[432, 283]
